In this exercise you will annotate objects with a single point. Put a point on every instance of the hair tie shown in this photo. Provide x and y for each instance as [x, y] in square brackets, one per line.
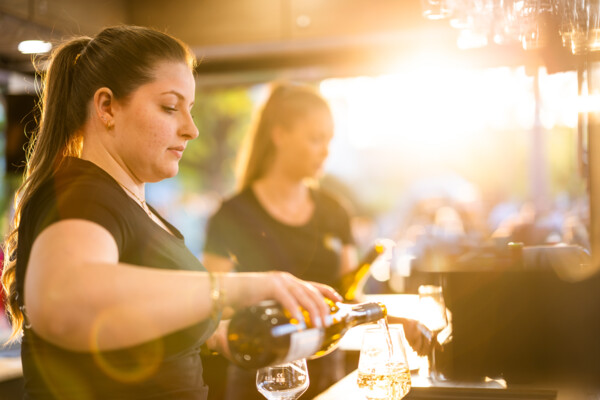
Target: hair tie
[76, 58]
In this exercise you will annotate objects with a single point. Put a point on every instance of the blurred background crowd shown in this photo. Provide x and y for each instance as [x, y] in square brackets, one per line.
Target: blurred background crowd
[426, 158]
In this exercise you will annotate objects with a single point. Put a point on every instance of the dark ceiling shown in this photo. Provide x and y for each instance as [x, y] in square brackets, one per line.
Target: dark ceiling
[236, 36]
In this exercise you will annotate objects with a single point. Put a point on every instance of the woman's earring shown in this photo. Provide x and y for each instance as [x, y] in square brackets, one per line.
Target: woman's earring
[109, 125]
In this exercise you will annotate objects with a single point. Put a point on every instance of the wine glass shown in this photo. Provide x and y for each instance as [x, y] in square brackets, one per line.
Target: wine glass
[432, 314]
[284, 381]
[436, 9]
[383, 372]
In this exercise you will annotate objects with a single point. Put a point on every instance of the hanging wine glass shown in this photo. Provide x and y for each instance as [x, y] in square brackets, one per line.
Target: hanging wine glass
[436, 9]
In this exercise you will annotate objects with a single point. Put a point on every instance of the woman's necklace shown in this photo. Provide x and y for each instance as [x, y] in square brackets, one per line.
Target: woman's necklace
[141, 202]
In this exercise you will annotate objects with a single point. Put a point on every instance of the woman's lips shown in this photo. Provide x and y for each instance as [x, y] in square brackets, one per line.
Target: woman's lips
[178, 151]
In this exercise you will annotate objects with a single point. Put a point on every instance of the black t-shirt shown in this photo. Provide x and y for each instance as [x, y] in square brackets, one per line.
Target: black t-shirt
[245, 232]
[166, 368]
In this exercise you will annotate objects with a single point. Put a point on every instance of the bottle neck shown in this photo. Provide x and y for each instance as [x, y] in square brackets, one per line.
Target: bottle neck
[366, 312]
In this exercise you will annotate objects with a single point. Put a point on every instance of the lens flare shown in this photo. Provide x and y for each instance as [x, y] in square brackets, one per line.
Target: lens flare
[142, 360]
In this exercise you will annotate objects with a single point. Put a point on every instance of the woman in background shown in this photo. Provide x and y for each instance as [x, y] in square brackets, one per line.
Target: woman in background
[110, 302]
[279, 219]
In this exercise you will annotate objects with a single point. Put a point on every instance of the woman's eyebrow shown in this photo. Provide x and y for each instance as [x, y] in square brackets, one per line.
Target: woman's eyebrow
[176, 93]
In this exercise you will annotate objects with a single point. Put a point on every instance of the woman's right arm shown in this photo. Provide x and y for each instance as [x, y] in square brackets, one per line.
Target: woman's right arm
[78, 296]
[216, 263]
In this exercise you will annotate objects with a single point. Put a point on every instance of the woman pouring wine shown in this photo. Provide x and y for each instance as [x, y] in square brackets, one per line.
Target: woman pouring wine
[109, 301]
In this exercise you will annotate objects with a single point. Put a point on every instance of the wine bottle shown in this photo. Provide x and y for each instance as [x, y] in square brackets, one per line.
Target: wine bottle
[266, 334]
[354, 280]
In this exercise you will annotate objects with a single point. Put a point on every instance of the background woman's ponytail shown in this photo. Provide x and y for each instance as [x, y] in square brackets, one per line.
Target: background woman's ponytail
[287, 103]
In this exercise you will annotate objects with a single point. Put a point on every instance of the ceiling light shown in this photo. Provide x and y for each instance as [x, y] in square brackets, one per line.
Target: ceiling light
[34, 46]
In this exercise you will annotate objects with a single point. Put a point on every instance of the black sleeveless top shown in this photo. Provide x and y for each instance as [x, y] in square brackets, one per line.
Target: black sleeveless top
[166, 368]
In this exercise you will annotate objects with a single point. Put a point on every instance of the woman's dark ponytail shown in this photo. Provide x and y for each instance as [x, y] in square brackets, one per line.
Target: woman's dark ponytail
[121, 58]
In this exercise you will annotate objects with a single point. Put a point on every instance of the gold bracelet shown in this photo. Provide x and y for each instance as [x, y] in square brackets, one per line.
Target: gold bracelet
[217, 294]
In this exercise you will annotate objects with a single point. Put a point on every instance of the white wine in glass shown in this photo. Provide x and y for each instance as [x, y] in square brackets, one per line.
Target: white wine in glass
[383, 372]
[284, 381]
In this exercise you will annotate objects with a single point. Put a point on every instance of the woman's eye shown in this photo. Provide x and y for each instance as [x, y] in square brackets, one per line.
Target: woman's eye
[169, 109]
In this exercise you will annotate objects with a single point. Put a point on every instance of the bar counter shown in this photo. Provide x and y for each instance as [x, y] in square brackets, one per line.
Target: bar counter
[422, 388]
[404, 305]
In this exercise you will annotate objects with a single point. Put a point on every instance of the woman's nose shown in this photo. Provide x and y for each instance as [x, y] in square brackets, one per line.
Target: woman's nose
[189, 128]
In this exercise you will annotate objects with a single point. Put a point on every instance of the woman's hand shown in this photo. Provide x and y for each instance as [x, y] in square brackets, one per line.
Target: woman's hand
[245, 289]
[419, 337]
[218, 340]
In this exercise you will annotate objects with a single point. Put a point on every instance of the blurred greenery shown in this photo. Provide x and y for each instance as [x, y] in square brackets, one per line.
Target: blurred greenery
[563, 163]
[2, 121]
[222, 117]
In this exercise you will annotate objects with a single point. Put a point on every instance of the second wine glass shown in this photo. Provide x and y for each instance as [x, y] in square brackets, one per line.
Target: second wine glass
[432, 313]
[383, 372]
[283, 382]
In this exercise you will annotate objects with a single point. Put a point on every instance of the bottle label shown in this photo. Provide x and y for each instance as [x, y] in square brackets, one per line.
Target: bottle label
[304, 344]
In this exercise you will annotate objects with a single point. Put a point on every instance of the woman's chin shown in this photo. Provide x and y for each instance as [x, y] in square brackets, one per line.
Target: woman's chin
[166, 173]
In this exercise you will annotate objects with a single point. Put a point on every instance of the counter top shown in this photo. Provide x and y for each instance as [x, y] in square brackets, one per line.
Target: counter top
[423, 388]
[10, 368]
[10, 359]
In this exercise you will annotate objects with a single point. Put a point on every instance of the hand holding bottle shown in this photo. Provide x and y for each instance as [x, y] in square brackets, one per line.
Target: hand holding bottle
[245, 289]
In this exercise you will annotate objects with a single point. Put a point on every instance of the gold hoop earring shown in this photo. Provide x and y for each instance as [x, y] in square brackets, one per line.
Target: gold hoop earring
[109, 125]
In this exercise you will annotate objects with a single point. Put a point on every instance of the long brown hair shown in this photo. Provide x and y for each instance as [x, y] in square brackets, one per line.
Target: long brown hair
[287, 103]
[121, 58]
